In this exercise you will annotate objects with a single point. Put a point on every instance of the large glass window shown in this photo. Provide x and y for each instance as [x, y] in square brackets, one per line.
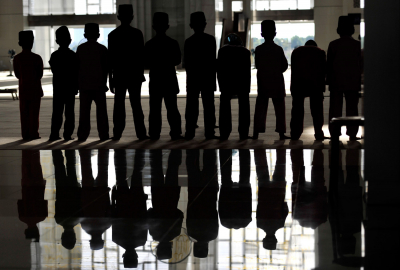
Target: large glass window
[282, 4]
[79, 7]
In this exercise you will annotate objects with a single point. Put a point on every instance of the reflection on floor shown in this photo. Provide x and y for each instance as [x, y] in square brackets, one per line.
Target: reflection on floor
[203, 209]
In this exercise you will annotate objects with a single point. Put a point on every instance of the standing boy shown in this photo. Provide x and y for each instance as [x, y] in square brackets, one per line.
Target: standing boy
[270, 62]
[126, 49]
[93, 69]
[63, 63]
[28, 68]
[163, 54]
[200, 64]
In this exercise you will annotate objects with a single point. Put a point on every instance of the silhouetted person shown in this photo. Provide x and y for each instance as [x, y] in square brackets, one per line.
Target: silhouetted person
[68, 196]
[235, 198]
[202, 216]
[308, 80]
[126, 51]
[345, 202]
[234, 79]
[28, 68]
[96, 208]
[32, 208]
[93, 69]
[272, 209]
[64, 64]
[200, 65]
[162, 55]
[309, 199]
[344, 74]
[129, 226]
[165, 219]
[271, 63]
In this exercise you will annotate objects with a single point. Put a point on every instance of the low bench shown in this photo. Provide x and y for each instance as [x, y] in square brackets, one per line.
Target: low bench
[10, 91]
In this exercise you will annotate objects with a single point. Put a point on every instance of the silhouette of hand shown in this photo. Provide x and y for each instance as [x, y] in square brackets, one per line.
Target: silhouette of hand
[111, 82]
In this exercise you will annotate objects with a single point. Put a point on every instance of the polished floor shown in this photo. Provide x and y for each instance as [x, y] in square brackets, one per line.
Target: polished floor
[182, 209]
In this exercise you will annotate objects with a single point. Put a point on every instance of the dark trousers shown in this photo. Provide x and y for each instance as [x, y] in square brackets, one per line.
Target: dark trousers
[86, 98]
[63, 104]
[336, 108]
[225, 115]
[173, 115]
[192, 112]
[119, 116]
[317, 113]
[29, 112]
[260, 115]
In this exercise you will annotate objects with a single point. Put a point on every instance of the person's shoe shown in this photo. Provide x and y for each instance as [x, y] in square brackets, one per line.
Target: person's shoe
[154, 138]
[354, 138]
[142, 138]
[212, 137]
[105, 138]
[255, 136]
[68, 138]
[197, 126]
[52, 139]
[242, 138]
[294, 138]
[115, 138]
[179, 137]
[282, 136]
[81, 140]
[223, 138]
[189, 137]
[216, 126]
[35, 138]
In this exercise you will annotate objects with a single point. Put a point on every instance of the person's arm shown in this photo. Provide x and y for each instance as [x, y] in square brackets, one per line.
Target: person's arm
[177, 57]
[52, 64]
[256, 59]
[105, 65]
[329, 65]
[221, 69]
[141, 53]
[323, 66]
[39, 68]
[284, 63]
[16, 67]
[110, 57]
[248, 70]
[186, 56]
[147, 56]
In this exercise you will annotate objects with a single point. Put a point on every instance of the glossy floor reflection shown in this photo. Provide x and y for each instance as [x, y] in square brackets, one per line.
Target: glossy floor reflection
[181, 209]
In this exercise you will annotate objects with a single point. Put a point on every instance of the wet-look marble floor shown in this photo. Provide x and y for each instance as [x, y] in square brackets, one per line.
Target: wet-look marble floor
[181, 209]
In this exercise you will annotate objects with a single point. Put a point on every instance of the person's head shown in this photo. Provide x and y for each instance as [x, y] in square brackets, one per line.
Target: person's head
[234, 39]
[26, 39]
[125, 14]
[32, 233]
[268, 30]
[311, 43]
[92, 31]
[164, 250]
[160, 22]
[198, 21]
[63, 37]
[130, 259]
[68, 238]
[269, 242]
[345, 26]
[96, 243]
[200, 249]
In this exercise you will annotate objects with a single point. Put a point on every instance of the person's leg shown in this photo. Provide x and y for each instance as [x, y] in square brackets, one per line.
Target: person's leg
[352, 99]
[335, 108]
[191, 112]
[57, 116]
[24, 117]
[119, 115]
[244, 115]
[155, 118]
[297, 121]
[173, 115]
[317, 113]
[207, 98]
[101, 115]
[69, 124]
[34, 110]
[280, 113]
[225, 115]
[260, 115]
[136, 104]
[85, 100]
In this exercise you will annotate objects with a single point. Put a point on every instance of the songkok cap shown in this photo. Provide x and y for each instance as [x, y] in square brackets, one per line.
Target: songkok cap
[92, 28]
[311, 43]
[125, 10]
[268, 26]
[345, 22]
[160, 18]
[63, 33]
[269, 242]
[25, 35]
[197, 17]
[200, 249]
